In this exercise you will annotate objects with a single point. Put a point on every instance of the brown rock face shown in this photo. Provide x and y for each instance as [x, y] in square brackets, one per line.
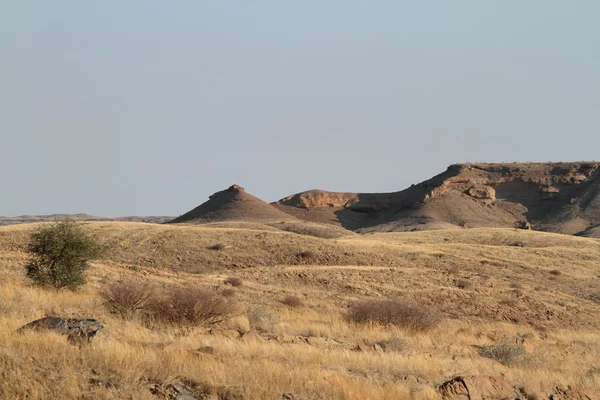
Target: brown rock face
[318, 199]
[478, 388]
[482, 192]
[556, 197]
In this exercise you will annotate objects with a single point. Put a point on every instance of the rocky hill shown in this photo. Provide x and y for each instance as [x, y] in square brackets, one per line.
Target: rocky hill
[555, 197]
[233, 204]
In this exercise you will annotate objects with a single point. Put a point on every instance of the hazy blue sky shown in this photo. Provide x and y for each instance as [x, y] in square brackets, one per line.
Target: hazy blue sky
[147, 107]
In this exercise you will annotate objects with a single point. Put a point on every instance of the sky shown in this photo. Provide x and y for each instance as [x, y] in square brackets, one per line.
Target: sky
[147, 107]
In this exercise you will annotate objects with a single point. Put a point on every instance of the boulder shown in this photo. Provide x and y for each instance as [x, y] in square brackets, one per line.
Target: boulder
[482, 192]
[76, 329]
[478, 388]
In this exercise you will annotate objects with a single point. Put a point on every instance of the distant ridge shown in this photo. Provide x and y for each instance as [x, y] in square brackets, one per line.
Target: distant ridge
[30, 219]
[233, 204]
[559, 197]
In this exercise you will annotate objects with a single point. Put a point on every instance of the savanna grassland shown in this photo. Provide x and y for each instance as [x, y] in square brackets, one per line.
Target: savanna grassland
[518, 304]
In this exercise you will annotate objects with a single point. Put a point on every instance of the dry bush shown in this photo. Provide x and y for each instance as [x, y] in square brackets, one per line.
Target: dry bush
[228, 292]
[307, 255]
[555, 272]
[409, 316]
[191, 306]
[261, 320]
[292, 301]
[127, 298]
[218, 246]
[233, 281]
[507, 352]
[393, 344]
[463, 284]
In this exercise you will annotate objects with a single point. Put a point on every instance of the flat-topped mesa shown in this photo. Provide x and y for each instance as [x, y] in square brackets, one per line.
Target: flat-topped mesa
[318, 198]
[560, 197]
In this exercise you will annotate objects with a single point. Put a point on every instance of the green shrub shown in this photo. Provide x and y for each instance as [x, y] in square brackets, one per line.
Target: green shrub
[59, 254]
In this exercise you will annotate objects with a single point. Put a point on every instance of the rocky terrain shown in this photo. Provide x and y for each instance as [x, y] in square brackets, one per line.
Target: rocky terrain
[510, 313]
[553, 197]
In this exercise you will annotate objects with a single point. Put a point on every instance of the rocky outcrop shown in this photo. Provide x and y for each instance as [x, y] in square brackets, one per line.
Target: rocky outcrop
[482, 192]
[556, 197]
[478, 388]
[76, 329]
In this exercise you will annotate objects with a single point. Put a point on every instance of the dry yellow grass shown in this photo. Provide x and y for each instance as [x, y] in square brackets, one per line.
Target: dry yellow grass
[512, 295]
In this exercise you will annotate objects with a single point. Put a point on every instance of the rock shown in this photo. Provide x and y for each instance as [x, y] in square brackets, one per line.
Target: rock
[525, 225]
[363, 348]
[252, 337]
[478, 388]
[482, 192]
[231, 393]
[76, 329]
[574, 394]
[185, 397]
[549, 192]
[206, 349]
[285, 339]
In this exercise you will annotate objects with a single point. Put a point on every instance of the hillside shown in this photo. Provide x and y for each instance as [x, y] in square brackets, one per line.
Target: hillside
[553, 197]
[233, 204]
[491, 286]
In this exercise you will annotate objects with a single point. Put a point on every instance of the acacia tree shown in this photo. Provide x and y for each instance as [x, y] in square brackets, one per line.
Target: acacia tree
[59, 254]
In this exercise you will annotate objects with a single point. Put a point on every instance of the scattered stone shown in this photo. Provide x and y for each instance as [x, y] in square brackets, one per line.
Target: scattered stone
[76, 329]
[206, 350]
[252, 337]
[231, 392]
[478, 388]
[574, 394]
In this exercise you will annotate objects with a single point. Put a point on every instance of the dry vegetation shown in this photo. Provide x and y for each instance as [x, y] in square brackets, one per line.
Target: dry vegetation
[512, 321]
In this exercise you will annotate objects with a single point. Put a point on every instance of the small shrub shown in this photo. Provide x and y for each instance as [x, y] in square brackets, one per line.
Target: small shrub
[555, 272]
[3, 307]
[233, 281]
[127, 298]
[191, 306]
[228, 292]
[217, 247]
[59, 253]
[307, 255]
[507, 352]
[393, 344]
[515, 285]
[454, 270]
[463, 284]
[261, 320]
[239, 323]
[409, 316]
[292, 301]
